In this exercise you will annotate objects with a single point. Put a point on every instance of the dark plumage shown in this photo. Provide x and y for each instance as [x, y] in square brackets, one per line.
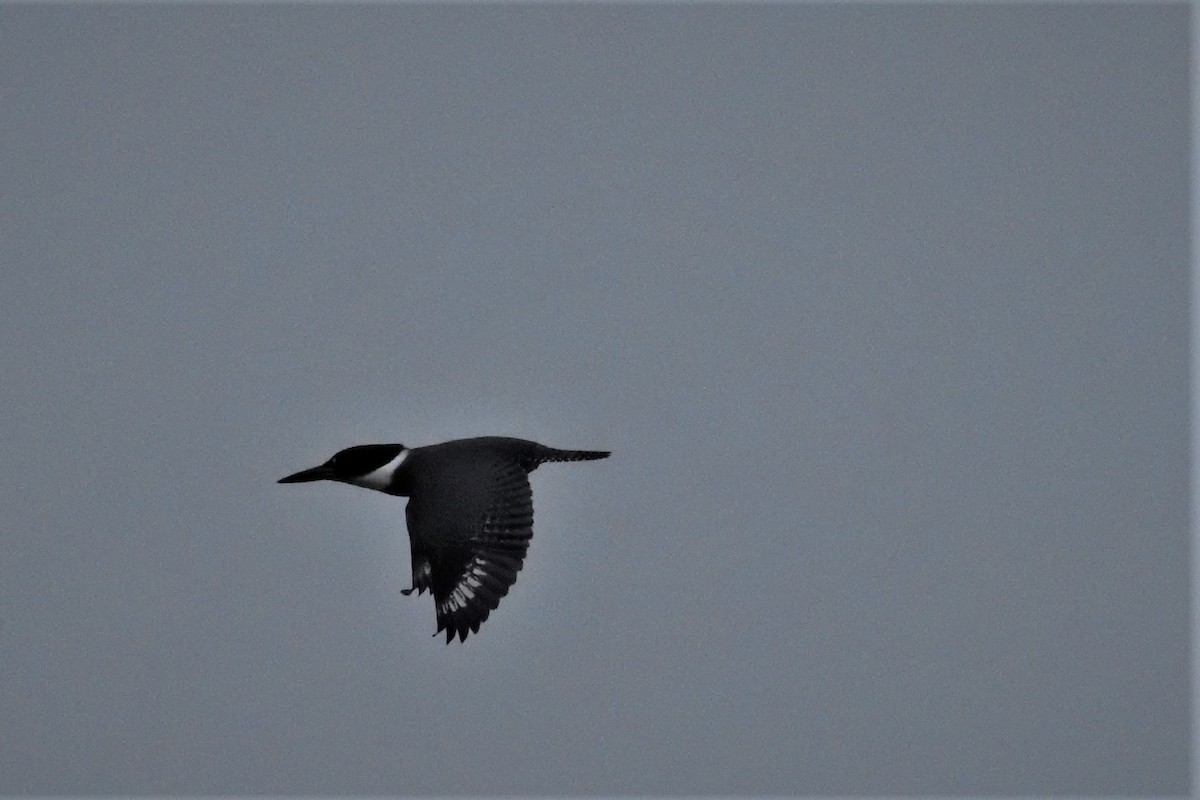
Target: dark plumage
[469, 514]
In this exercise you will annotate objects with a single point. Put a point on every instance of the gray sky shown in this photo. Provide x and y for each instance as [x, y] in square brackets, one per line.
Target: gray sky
[883, 312]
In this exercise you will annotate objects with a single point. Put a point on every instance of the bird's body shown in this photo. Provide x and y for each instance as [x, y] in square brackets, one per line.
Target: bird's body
[469, 514]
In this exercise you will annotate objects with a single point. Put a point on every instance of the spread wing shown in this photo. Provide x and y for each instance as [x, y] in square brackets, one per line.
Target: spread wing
[468, 553]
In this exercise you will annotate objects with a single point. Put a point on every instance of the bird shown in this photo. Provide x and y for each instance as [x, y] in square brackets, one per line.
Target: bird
[469, 514]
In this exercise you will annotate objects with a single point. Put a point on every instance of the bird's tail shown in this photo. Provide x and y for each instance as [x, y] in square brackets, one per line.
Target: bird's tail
[547, 454]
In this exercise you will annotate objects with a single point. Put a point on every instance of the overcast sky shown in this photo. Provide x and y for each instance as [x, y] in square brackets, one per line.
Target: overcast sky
[883, 312]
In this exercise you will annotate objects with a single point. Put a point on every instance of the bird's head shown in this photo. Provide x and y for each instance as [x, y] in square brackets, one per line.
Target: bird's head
[368, 465]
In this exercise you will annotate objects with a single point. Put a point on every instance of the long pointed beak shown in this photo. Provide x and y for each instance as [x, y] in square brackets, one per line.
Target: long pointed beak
[321, 473]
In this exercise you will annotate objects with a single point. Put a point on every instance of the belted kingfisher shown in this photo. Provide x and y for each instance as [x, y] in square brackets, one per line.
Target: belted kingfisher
[469, 514]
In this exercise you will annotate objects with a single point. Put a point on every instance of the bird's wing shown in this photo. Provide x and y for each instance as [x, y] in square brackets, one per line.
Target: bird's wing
[470, 565]
[421, 565]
